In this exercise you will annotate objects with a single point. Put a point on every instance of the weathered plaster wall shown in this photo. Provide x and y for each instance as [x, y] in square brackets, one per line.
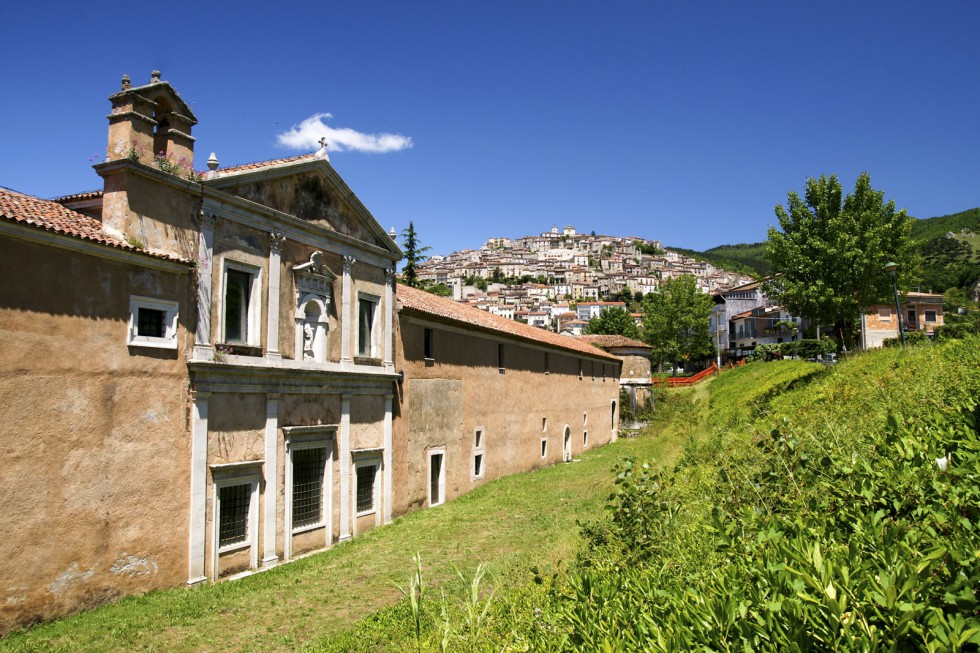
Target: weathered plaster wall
[635, 367]
[442, 403]
[95, 472]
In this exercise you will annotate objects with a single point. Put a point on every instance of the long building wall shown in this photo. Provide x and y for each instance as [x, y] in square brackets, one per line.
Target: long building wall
[95, 464]
[487, 417]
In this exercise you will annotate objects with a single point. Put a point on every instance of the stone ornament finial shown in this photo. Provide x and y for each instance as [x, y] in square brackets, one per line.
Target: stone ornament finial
[212, 162]
[155, 77]
[348, 263]
[322, 152]
[126, 83]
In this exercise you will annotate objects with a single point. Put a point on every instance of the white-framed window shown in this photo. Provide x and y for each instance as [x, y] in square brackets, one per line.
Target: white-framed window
[931, 316]
[235, 520]
[884, 313]
[566, 445]
[152, 322]
[479, 442]
[544, 447]
[309, 456]
[437, 477]
[585, 439]
[367, 317]
[241, 305]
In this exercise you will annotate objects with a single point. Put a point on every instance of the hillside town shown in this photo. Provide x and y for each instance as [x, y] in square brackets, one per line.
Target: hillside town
[533, 279]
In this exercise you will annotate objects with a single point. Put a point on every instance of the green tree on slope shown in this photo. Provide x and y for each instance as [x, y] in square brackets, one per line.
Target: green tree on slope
[828, 253]
[613, 321]
[675, 322]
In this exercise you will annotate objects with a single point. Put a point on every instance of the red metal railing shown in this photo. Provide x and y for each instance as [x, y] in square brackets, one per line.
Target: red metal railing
[688, 380]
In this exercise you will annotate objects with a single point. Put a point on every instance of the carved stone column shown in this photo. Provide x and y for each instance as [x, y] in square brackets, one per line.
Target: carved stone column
[269, 557]
[199, 476]
[386, 461]
[203, 350]
[347, 325]
[276, 242]
[389, 319]
[344, 453]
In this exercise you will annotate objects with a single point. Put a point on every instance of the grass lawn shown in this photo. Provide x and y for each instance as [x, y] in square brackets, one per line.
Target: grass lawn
[510, 525]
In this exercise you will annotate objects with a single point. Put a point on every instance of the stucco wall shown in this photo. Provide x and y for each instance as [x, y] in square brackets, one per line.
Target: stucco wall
[443, 401]
[95, 473]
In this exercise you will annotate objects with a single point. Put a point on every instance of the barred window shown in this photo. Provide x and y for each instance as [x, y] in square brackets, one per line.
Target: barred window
[151, 322]
[308, 470]
[365, 488]
[233, 520]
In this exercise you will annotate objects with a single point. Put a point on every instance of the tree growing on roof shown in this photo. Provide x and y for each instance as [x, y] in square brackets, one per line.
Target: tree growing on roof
[675, 322]
[613, 321]
[828, 253]
[414, 254]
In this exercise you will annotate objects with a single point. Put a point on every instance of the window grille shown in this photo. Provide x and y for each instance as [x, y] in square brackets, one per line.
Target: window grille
[308, 470]
[151, 322]
[365, 488]
[233, 520]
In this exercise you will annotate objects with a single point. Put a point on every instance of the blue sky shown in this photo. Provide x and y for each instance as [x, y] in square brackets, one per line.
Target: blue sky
[683, 121]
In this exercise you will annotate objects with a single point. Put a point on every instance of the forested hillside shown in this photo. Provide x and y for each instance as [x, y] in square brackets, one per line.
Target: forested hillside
[949, 244]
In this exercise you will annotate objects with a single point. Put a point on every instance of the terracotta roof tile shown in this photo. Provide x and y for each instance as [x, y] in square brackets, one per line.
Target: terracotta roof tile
[606, 341]
[76, 197]
[263, 164]
[52, 216]
[422, 302]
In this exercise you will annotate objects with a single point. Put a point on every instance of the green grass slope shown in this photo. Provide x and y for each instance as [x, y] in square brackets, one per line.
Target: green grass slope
[840, 514]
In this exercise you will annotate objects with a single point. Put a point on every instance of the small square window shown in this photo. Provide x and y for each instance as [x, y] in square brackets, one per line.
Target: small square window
[366, 475]
[931, 316]
[152, 323]
[884, 313]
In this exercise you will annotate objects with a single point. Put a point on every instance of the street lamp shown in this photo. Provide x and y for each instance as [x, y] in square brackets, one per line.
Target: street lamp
[891, 268]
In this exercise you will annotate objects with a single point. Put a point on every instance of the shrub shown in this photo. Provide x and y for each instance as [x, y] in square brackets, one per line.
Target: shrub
[955, 331]
[911, 338]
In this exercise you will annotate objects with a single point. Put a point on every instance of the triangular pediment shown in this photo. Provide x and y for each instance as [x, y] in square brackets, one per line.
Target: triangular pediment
[310, 189]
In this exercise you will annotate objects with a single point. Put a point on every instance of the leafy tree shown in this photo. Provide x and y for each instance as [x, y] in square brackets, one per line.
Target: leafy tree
[828, 254]
[414, 254]
[613, 321]
[675, 322]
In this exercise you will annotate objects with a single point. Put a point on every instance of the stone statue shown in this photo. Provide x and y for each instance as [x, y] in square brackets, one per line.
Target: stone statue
[309, 333]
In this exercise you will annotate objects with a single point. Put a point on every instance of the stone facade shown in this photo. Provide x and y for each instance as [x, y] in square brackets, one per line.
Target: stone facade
[205, 375]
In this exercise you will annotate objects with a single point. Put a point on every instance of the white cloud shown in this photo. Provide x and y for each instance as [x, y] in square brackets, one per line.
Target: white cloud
[307, 135]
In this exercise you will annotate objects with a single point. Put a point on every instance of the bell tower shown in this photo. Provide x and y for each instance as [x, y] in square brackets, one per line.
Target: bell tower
[150, 120]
